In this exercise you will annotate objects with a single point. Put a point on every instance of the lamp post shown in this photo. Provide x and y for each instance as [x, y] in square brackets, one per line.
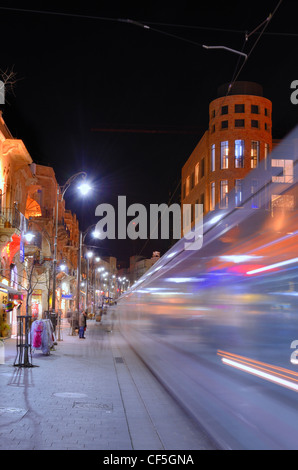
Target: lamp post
[84, 188]
[81, 243]
[89, 256]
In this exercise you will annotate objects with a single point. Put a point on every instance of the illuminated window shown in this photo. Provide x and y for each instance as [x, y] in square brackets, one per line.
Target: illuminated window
[224, 155]
[224, 194]
[266, 155]
[212, 197]
[285, 202]
[197, 172]
[287, 172]
[255, 154]
[238, 192]
[255, 197]
[187, 185]
[239, 153]
[213, 157]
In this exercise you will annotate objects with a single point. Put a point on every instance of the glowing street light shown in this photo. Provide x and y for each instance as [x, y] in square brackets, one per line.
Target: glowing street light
[29, 236]
[84, 189]
[83, 235]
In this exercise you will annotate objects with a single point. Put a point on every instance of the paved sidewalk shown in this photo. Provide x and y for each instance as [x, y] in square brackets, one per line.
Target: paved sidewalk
[92, 394]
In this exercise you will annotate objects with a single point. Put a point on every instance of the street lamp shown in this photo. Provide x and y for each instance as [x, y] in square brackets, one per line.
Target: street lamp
[89, 256]
[82, 239]
[29, 236]
[84, 189]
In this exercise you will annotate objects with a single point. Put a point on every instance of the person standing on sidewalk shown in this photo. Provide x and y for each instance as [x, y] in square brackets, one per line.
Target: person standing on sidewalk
[82, 324]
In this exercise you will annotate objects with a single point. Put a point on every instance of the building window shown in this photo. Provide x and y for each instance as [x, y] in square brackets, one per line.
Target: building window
[239, 153]
[224, 155]
[284, 202]
[239, 123]
[224, 194]
[197, 172]
[203, 201]
[238, 192]
[212, 197]
[266, 155]
[266, 112]
[255, 197]
[239, 108]
[287, 172]
[197, 209]
[255, 154]
[192, 181]
[213, 157]
[213, 114]
[255, 123]
[254, 109]
[224, 109]
[213, 129]
[202, 167]
[187, 185]
[224, 124]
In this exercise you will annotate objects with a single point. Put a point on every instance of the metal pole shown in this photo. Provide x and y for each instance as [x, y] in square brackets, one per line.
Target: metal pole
[87, 289]
[55, 254]
[79, 273]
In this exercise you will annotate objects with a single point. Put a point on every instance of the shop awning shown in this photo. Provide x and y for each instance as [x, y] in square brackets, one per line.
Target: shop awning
[10, 290]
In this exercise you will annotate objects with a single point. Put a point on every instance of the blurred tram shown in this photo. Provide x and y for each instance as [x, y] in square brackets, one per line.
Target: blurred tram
[219, 326]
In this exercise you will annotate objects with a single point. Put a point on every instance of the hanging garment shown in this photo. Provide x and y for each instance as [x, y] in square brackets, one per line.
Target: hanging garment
[36, 332]
[47, 337]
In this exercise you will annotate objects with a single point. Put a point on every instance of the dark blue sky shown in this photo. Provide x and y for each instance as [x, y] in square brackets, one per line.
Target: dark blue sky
[77, 75]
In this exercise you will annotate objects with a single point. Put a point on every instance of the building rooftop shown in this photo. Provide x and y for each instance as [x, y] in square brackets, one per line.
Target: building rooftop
[240, 88]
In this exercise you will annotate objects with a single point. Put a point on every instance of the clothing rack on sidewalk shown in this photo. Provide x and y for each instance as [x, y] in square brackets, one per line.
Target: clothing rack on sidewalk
[23, 343]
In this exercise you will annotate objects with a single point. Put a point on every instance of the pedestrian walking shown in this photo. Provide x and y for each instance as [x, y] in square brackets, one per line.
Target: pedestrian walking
[83, 325]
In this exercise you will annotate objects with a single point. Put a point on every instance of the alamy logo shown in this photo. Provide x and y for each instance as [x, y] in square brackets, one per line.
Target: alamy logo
[2, 92]
[294, 95]
[159, 221]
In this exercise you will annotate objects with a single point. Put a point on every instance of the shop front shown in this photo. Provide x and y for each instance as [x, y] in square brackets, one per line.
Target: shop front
[11, 301]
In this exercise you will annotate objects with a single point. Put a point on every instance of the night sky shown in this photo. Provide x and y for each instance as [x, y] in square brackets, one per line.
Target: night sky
[127, 104]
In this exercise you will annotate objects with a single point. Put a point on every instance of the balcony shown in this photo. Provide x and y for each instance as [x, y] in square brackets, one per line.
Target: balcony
[11, 221]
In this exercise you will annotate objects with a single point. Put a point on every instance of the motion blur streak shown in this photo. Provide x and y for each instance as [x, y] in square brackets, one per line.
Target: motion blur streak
[248, 365]
[263, 375]
[273, 266]
[221, 340]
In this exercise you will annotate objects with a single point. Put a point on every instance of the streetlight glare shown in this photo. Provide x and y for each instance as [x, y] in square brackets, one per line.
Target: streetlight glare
[89, 254]
[29, 236]
[84, 188]
[96, 234]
